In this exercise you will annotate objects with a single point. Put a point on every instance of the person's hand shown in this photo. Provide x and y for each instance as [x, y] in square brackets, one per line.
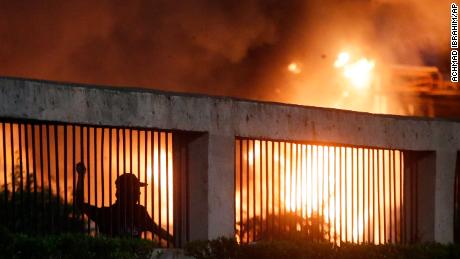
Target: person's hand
[81, 169]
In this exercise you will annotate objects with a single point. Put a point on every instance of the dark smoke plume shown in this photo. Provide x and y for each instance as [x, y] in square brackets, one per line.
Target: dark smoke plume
[226, 47]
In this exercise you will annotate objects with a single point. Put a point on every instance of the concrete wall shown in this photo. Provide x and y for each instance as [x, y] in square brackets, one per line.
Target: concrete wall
[224, 118]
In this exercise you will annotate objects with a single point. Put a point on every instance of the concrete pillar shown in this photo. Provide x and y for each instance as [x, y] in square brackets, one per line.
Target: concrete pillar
[211, 186]
[444, 196]
[197, 161]
[425, 168]
[221, 186]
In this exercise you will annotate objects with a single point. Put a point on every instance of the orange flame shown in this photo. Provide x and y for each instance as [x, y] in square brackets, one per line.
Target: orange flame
[359, 73]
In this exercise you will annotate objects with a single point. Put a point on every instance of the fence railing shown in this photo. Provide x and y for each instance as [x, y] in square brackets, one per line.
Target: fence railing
[330, 192]
[38, 180]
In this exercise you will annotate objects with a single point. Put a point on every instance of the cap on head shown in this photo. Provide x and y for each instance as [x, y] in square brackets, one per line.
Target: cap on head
[128, 179]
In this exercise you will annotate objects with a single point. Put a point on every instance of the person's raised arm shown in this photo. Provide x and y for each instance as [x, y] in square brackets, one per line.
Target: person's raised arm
[81, 170]
[90, 211]
[155, 229]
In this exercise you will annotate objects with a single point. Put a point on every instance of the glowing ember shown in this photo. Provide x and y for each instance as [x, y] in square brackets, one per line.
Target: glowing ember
[359, 72]
[294, 68]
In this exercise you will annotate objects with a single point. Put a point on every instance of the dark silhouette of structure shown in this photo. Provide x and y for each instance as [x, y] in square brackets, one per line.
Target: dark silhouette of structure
[124, 218]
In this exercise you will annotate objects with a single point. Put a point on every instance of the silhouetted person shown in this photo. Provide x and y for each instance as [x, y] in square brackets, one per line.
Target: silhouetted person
[125, 217]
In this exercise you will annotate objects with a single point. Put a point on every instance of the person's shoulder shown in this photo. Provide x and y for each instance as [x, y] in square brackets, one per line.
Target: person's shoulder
[141, 209]
[105, 210]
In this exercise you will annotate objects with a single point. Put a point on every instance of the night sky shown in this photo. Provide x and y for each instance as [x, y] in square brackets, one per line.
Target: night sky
[226, 47]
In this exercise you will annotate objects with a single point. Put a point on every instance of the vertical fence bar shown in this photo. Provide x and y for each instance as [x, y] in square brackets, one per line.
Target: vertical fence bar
[34, 169]
[353, 205]
[324, 198]
[21, 180]
[293, 187]
[241, 190]
[167, 185]
[260, 188]
[65, 178]
[29, 211]
[377, 194]
[395, 227]
[287, 220]
[131, 171]
[5, 176]
[110, 180]
[415, 170]
[103, 172]
[315, 169]
[118, 168]
[373, 205]
[82, 159]
[73, 172]
[56, 157]
[401, 201]
[273, 188]
[368, 195]
[187, 195]
[138, 171]
[236, 186]
[334, 192]
[122, 171]
[13, 178]
[278, 218]
[345, 173]
[409, 198]
[395, 197]
[412, 196]
[267, 192]
[375, 197]
[152, 179]
[247, 192]
[181, 168]
[146, 174]
[341, 195]
[254, 225]
[363, 196]
[159, 183]
[42, 174]
[320, 172]
[390, 177]
[299, 187]
[298, 192]
[48, 156]
[302, 186]
[88, 152]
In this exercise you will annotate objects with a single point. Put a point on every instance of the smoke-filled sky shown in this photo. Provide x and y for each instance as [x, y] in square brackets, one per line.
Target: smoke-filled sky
[225, 47]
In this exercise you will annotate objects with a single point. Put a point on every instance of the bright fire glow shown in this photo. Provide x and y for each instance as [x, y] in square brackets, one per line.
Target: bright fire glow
[294, 68]
[359, 72]
[353, 190]
[342, 59]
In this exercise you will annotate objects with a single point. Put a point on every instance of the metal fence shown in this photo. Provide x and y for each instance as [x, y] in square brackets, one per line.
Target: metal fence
[38, 179]
[329, 192]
